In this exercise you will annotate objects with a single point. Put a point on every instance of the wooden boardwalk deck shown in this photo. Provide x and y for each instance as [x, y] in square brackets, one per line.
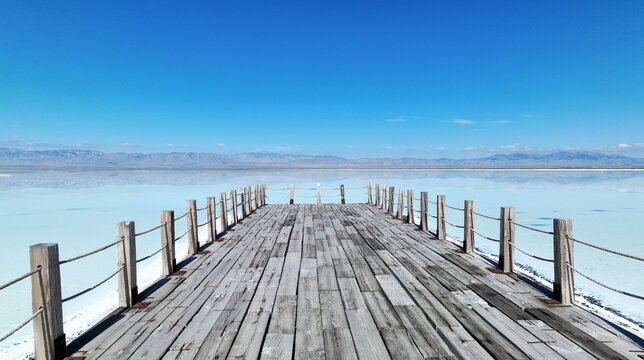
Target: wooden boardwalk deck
[346, 282]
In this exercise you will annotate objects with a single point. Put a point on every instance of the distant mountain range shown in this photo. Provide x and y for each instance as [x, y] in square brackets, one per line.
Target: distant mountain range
[85, 159]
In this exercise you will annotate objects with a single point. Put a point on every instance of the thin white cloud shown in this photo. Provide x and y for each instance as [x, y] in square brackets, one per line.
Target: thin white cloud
[502, 122]
[441, 148]
[528, 115]
[221, 145]
[388, 147]
[171, 146]
[463, 122]
[470, 148]
[397, 120]
[131, 145]
[623, 146]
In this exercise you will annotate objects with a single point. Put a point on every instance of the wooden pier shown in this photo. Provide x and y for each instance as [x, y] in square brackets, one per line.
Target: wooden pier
[350, 281]
[330, 281]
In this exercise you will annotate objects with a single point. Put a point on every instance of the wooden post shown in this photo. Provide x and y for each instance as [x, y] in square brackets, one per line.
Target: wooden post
[263, 198]
[257, 196]
[384, 198]
[506, 235]
[126, 249]
[390, 210]
[342, 194]
[401, 200]
[423, 210]
[242, 201]
[233, 204]
[49, 336]
[440, 217]
[369, 200]
[191, 220]
[168, 260]
[468, 227]
[319, 200]
[292, 194]
[249, 200]
[377, 194]
[410, 206]
[223, 212]
[212, 222]
[564, 282]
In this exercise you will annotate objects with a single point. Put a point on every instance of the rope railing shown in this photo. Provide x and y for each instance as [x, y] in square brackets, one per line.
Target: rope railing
[203, 208]
[178, 218]
[531, 255]
[23, 324]
[454, 208]
[531, 228]
[363, 194]
[486, 216]
[204, 224]
[485, 237]
[21, 277]
[93, 287]
[150, 230]
[432, 202]
[604, 285]
[454, 225]
[355, 188]
[606, 250]
[435, 217]
[40, 311]
[184, 234]
[278, 189]
[308, 189]
[90, 253]
[151, 255]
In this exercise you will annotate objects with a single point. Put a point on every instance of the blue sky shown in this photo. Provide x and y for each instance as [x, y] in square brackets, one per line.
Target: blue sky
[429, 79]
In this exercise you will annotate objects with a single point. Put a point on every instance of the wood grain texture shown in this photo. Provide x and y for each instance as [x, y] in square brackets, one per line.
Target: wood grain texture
[335, 281]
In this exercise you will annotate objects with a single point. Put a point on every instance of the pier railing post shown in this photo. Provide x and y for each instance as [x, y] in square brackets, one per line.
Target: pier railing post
[506, 236]
[212, 214]
[49, 335]
[263, 194]
[377, 194]
[233, 204]
[191, 220]
[342, 194]
[223, 212]
[423, 210]
[126, 249]
[384, 197]
[292, 194]
[440, 217]
[564, 282]
[257, 196]
[410, 206]
[468, 226]
[242, 201]
[369, 200]
[319, 200]
[249, 198]
[401, 200]
[390, 209]
[168, 260]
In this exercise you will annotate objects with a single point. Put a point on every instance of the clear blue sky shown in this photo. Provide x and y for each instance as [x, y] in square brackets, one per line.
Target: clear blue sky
[430, 79]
